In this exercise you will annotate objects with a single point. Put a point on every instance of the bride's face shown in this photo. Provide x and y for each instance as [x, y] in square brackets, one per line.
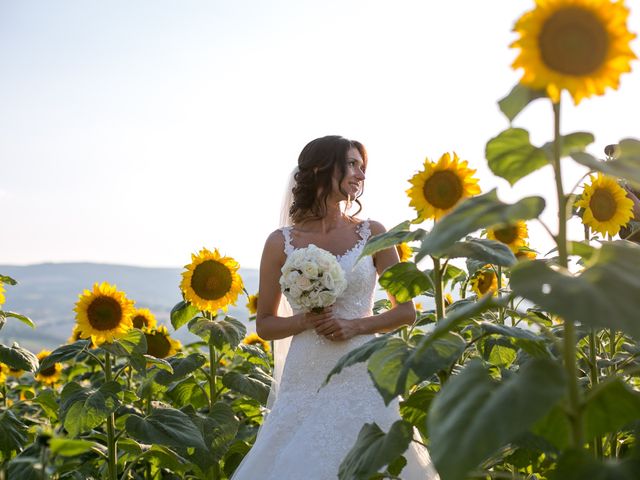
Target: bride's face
[354, 176]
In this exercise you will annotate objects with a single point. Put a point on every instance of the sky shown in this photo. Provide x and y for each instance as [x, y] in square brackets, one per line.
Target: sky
[139, 132]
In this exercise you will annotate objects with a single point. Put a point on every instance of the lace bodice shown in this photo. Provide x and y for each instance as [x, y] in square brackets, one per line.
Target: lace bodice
[357, 300]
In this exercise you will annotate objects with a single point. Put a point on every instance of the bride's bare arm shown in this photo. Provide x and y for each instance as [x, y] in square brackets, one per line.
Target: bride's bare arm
[268, 324]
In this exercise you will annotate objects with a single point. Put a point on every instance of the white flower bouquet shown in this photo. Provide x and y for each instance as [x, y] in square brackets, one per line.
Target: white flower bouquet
[312, 279]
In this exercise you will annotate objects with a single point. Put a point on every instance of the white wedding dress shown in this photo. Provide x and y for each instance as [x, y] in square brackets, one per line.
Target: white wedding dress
[310, 429]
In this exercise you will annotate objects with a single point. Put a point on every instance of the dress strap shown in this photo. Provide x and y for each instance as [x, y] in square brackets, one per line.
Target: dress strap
[364, 230]
[286, 233]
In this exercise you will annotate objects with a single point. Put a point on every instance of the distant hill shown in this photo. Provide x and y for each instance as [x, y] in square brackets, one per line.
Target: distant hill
[47, 293]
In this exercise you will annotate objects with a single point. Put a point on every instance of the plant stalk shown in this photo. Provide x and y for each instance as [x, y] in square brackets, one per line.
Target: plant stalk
[439, 297]
[111, 427]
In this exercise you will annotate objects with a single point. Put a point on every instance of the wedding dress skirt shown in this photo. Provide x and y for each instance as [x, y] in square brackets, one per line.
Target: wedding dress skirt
[311, 427]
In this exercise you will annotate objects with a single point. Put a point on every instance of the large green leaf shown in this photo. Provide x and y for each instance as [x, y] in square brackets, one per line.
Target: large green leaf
[83, 409]
[12, 433]
[511, 155]
[182, 313]
[415, 407]
[68, 447]
[47, 400]
[23, 318]
[603, 295]
[387, 369]
[18, 358]
[609, 407]
[626, 166]
[435, 353]
[255, 384]
[374, 449]
[405, 281]
[188, 392]
[483, 250]
[219, 331]
[358, 355]
[26, 465]
[580, 465]
[64, 353]
[181, 368]
[474, 415]
[134, 341]
[473, 214]
[533, 344]
[571, 143]
[518, 98]
[219, 428]
[398, 234]
[165, 426]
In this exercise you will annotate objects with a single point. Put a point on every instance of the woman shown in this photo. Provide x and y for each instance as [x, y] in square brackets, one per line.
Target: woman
[311, 427]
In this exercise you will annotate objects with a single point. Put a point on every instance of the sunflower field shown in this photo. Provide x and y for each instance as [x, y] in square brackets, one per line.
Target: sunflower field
[532, 372]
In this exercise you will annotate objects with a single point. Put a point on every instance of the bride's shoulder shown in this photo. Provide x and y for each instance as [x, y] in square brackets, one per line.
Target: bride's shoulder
[276, 238]
[376, 227]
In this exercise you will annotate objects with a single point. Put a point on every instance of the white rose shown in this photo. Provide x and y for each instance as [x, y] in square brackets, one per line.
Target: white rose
[328, 281]
[303, 283]
[326, 298]
[310, 269]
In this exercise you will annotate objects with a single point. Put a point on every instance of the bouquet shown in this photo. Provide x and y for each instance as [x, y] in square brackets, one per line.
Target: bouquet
[312, 279]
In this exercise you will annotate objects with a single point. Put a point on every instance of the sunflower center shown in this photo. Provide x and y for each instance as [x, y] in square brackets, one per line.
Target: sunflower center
[139, 321]
[105, 313]
[573, 41]
[158, 345]
[507, 234]
[603, 205]
[485, 280]
[211, 280]
[48, 372]
[443, 189]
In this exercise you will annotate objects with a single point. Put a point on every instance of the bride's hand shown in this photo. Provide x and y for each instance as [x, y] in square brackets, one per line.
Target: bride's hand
[310, 319]
[336, 329]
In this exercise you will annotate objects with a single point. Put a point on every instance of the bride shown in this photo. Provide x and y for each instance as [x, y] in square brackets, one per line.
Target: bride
[310, 429]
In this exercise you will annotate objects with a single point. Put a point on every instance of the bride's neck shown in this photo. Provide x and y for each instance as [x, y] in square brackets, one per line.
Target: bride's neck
[334, 218]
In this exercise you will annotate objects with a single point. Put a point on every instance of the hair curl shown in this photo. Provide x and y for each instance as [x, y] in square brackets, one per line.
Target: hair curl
[318, 162]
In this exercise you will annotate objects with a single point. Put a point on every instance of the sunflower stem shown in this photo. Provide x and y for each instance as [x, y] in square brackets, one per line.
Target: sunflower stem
[501, 308]
[439, 298]
[569, 337]
[213, 362]
[111, 426]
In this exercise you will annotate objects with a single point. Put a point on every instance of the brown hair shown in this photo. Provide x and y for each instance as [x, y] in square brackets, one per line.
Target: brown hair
[319, 160]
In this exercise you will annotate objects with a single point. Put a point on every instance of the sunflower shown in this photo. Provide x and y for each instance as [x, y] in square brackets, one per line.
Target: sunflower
[485, 281]
[606, 205]
[252, 304]
[440, 186]
[1, 294]
[514, 235]
[143, 319]
[13, 372]
[525, 253]
[104, 314]
[3, 372]
[404, 251]
[448, 300]
[582, 46]
[160, 344]
[211, 282]
[49, 375]
[254, 339]
[75, 336]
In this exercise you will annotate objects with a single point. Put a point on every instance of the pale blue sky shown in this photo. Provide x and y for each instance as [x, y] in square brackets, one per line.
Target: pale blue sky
[140, 131]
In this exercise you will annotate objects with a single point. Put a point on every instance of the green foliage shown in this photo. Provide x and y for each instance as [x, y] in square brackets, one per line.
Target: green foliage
[23, 318]
[64, 353]
[18, 358]
[12, 433]
[398, 234]
[512, 156]
[219, 331]
[83, 409]
[483, 250]
[182, 313]
[405, 281]
[165, 426]
[133, 342]
[626, 166]
[517, 99]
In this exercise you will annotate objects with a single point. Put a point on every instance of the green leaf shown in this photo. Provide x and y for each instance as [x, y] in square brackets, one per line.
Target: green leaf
[374, 449]
[219, 429]
[473, 214]
[603, 295]
[18, 358]
[134, 341]
[165, 426]
[64, 353]
[83, 409]
[187, 392]
[580, 465]
[7, 280]
[571, 143]
[435, 353]
[386, 367]
[358, 355]
[12, 433]
[517, 99]
[609, 407]
[483, 250]
[182, 313]
[414, 409]
[69, 447]
[24, 319]
[533, 344]
[405, 281]
[219, 331]
[554, 427]
[181, 368]
[474, 416]
[255, 384]
[398, 234]
[511, 155]
[625, 167]
[47, 399]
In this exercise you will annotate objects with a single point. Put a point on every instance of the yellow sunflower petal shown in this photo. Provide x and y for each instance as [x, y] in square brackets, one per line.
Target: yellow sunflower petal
[211, 281]
[514, 235]
[606, 205]
[254, 339]
[484, 282]
[581, 46]
[404, 251]
[252, 304]
[49, 375]
[143, 319]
